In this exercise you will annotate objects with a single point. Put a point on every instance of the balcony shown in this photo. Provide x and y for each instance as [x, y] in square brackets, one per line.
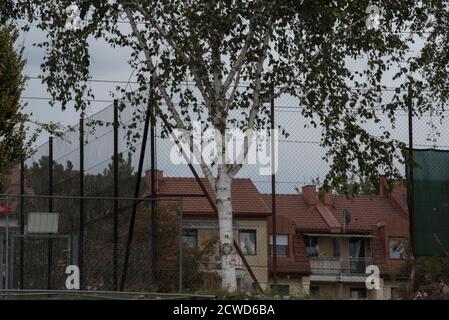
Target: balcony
[339, 265]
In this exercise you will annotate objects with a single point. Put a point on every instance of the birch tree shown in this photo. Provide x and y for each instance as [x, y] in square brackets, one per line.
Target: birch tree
[299, 48]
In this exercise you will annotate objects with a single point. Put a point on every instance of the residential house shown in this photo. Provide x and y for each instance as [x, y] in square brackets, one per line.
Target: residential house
[12, 187]
[200, 222]
[320, 253]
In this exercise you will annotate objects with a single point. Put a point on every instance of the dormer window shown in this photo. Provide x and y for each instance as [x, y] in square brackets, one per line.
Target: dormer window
[398, 248]
[281, 245]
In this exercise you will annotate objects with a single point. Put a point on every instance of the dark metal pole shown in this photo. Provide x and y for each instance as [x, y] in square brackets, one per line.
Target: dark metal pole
[115, 227]
[22, 219]
[50, 209]
[81, 204]
[136, 195]
[153, 187]
[50, 174]
[273, 194]
[181, 260]
[410, 191]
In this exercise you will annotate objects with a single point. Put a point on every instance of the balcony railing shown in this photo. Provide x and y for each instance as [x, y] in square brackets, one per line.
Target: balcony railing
[339, 265]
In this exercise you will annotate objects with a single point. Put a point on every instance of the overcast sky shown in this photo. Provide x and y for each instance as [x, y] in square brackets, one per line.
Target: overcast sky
[300, 157]
[106, 64]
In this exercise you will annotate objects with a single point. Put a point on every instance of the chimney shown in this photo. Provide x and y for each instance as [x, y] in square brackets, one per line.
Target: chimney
[326, 196]
[12, 181]
[158, 178]
[383, 186]
[309, 193]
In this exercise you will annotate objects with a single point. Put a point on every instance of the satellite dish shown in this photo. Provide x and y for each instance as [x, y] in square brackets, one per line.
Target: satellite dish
[346, 216]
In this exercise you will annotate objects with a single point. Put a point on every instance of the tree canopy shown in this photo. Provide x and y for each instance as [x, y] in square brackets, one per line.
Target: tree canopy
[12, 129]
[221, 62]
[16, 134]
[301, 48]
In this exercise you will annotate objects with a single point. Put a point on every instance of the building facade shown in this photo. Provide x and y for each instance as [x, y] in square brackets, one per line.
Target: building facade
[200, 224]
[326, 242]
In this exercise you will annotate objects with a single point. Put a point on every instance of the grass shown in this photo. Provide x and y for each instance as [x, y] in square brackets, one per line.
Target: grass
[74, 295]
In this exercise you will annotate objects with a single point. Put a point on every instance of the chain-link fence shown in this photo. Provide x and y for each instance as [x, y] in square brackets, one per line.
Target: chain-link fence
[168, 252]
[124, 237]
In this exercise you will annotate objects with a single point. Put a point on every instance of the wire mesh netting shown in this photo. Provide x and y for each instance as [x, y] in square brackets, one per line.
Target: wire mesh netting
[172, 249]
[431, 209]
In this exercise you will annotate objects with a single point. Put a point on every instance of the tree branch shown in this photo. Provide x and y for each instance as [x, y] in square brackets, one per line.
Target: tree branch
[241, 58]
[234, 91]
[234, 169]
[186, 58]
[206, 170]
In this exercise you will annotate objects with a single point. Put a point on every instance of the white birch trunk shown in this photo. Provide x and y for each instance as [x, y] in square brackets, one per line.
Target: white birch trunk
[227, 250]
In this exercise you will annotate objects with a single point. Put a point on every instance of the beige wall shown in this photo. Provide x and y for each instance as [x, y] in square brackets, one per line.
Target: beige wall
[296, 288]
[300, 288]
[258, 262]
[343, 290]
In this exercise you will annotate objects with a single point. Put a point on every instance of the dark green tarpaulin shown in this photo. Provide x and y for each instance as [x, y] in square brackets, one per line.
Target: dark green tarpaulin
[431, 202]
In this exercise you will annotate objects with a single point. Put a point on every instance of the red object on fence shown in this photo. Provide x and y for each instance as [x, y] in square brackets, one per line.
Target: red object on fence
[4, 210]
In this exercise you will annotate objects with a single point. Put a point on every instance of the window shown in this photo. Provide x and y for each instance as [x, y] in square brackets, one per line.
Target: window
[281, 289]
[312, 247]
[358, 293]
[281, 245]
[247, 240]
[189, 237]
[357, 255]
[337, 246]
[398, 248]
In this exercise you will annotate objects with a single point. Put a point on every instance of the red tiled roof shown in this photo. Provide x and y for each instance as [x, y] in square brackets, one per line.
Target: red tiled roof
[366, 211]
[380, 216]
[293, 207]
[246, 200]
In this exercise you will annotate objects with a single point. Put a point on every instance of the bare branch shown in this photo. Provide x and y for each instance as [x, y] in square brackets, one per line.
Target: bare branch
[256, 102]
[152, 68]
[186, 58]
[234, 90]
[206, 170]
[241, 58]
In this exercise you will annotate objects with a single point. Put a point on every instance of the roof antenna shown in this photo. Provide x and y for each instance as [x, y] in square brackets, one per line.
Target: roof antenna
[346, 219]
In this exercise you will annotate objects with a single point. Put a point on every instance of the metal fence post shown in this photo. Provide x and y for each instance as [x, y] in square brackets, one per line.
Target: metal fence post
[22, 221]
[1, 261]
[12, 252]
[81, 204]
[410, 191]
[115, 226]
[180, 247]
[7, 248]
[136, 195]
[154, 205]
[50, 209]
[273, 194]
